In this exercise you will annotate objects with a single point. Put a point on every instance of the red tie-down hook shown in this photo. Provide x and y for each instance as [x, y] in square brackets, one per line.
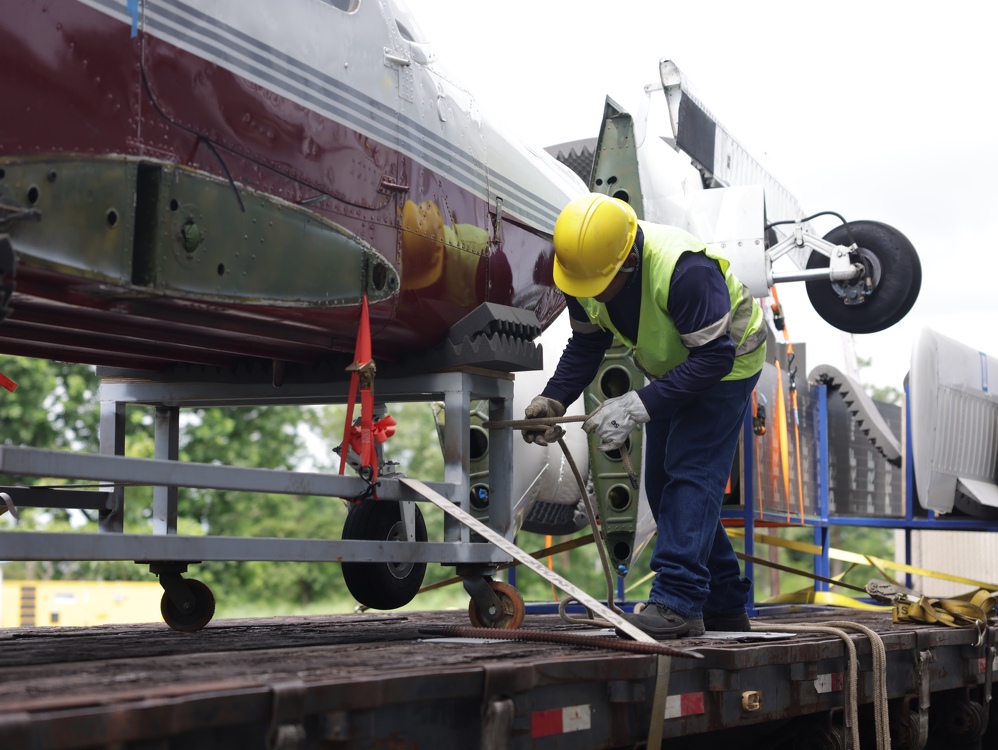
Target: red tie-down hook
[7, 383]
[363, 437]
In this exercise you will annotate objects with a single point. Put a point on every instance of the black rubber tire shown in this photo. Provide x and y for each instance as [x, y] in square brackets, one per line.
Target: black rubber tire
[381, 585]
[197, 618]
[818, 735]
[894, 293]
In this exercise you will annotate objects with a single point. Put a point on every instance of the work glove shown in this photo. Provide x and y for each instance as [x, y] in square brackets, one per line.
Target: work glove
[614, 420]
[542, 406]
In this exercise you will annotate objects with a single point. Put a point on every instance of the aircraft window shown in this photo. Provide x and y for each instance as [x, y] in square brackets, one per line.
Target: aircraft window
[347, 6]
[407, 25]
[406, 34]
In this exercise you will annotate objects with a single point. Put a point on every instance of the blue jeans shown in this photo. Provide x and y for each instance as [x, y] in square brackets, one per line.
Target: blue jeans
[688, 458]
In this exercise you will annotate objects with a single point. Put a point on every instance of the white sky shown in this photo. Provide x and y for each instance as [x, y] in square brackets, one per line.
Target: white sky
[878, 110]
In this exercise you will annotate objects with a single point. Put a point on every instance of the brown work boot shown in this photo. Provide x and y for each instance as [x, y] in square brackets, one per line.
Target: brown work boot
[661, 623]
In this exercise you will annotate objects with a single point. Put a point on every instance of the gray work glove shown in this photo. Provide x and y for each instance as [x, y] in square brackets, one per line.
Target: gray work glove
[542, 406]
[615, 418]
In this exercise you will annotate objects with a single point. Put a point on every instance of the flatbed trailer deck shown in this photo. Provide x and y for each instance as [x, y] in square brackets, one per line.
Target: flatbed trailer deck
[375, 680]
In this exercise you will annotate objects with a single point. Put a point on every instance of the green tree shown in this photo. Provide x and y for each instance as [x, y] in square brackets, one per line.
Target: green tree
[54, 405]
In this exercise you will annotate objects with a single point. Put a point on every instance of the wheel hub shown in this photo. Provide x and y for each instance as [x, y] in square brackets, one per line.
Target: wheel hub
[854, 291]
[397, 534]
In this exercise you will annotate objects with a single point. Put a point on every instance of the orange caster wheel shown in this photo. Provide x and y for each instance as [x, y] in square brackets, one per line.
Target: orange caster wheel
[511, 616]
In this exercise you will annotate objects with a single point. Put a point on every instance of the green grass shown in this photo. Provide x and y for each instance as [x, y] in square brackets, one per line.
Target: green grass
[450, 597]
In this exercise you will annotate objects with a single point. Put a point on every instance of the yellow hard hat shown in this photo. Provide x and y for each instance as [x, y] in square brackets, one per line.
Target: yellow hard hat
[592, 237]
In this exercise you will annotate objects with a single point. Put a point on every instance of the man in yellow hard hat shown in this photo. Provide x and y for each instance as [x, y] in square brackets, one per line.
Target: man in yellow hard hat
[700, 338]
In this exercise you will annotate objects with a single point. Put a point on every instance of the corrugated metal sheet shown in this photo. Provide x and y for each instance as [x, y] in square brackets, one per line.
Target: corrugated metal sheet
[967, 554]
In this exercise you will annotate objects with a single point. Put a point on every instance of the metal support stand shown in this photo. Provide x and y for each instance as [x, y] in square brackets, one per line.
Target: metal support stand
[169, 553]
[173, 584]
[111, 434]
[167, 448]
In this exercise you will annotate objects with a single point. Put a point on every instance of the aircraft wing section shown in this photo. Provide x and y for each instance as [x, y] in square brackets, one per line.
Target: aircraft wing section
[954, 421]
[722, 160]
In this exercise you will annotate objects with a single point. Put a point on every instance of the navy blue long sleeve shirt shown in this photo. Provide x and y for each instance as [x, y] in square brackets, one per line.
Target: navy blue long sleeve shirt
[698, 297]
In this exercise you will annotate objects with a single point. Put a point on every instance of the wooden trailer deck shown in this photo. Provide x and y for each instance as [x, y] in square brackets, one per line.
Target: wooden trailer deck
[379, 680]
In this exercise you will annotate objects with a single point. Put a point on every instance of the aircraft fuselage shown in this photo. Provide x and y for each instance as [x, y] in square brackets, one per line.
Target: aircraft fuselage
[212, 181]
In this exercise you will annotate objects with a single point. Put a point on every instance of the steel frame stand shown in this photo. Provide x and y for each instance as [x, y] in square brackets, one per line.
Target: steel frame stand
[165, 548]
[823, 519]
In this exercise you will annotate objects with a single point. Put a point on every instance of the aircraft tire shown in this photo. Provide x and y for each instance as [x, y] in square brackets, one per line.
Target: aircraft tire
[894, 266]
[381, 585]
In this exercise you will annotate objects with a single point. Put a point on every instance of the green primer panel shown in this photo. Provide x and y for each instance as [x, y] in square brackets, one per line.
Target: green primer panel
[85, 215]
[155, 227]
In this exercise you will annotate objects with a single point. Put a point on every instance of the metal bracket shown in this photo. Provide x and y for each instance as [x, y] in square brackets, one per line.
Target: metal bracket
[8, 505]
[497, 724]
[484, 597]
[177, 589]
[393, 58]
[840, 268]
[287, 731]
[924, 701]
[989, 674]
[496, 241]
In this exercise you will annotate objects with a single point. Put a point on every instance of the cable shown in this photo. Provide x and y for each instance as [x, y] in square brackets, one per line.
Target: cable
[840, 217]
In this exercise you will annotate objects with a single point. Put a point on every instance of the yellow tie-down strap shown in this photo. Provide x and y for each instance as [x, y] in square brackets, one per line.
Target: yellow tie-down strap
[952, 612]
[973, 609]
[860, 559]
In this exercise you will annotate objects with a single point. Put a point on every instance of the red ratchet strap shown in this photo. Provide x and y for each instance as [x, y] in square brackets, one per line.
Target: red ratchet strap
[363, 437]
[7, 383]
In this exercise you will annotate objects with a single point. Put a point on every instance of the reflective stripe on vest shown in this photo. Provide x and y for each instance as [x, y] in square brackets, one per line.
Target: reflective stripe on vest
[660, 347]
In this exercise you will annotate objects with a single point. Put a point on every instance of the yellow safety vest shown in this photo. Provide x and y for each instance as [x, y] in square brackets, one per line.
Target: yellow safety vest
[659, 347]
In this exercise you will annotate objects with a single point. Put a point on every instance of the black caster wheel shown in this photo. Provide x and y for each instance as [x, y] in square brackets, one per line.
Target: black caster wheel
[200, 613]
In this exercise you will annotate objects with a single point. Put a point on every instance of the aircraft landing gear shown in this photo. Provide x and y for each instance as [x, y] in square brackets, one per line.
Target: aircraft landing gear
[187, 604]
[383, 585]
[877, 298]
[494, 604]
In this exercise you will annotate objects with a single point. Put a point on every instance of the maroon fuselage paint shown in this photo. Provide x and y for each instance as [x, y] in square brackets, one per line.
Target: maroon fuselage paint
[75, 82]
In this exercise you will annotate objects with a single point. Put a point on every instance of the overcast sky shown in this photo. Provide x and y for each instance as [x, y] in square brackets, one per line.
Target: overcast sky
[876, 110]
